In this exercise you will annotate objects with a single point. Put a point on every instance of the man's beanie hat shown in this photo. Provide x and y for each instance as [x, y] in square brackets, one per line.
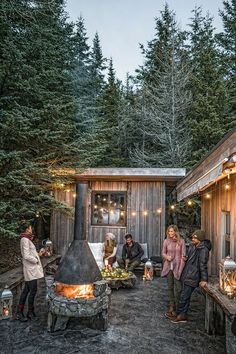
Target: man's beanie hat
[200, 235]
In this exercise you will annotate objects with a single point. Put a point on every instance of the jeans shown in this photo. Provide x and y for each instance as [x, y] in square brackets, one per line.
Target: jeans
[185, 299]
[132, 264]
[174, 288]
[30, 289]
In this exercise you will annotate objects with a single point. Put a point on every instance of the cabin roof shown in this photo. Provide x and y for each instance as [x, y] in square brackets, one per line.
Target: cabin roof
[209, 169]
[132, 174]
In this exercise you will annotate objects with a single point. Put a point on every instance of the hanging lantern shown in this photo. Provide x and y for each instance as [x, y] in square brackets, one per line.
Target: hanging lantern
[47, 250]
[227, 276]
[6, 298]
[148, 270]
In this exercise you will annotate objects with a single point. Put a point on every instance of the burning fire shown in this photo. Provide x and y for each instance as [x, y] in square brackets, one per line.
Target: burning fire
[75, 291]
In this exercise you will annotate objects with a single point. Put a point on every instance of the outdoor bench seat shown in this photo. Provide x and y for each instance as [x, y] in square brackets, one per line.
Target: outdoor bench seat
[14, 278]
[220, 312]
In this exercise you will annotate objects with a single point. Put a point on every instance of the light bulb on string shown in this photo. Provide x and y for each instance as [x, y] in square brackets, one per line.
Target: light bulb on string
[208, 196]
[74, 195]
[133, 213]
[227, 186]
[145, 213]
[172, 207]
[159, 211]
[190, 203]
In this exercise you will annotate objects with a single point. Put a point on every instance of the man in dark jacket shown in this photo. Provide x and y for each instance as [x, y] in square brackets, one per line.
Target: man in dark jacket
[132, 253]
[195, 272]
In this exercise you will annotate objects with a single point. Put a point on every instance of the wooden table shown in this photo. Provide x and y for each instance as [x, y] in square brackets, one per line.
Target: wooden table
[220, 312]
[116, 283]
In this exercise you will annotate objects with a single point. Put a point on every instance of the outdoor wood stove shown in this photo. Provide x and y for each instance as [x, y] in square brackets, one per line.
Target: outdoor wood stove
[78, 289]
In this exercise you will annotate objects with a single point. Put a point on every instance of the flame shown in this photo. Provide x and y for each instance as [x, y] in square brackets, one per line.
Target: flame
[75, 291]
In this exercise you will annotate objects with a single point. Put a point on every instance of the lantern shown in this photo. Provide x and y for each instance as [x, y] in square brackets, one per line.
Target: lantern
[148, 270]
[6, 298]
[46, 251]
[227, 276]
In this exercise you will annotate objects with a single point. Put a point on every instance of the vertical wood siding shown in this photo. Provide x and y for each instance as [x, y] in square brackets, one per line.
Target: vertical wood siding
[211, 218]
[141, 196]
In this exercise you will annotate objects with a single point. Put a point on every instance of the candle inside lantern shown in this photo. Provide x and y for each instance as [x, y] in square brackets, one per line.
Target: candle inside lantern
[6, 311]
[106, 263]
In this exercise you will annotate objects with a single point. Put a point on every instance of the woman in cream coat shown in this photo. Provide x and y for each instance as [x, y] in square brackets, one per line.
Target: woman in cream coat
[32, 269]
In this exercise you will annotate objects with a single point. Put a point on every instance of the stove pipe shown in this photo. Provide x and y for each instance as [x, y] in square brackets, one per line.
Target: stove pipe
[78, 266]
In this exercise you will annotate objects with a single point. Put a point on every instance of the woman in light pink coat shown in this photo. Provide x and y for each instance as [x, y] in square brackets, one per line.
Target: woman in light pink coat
[173, 253]
[32, 269]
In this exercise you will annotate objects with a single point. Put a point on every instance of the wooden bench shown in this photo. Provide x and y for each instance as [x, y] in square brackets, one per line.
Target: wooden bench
[14, 278]
[220, 312]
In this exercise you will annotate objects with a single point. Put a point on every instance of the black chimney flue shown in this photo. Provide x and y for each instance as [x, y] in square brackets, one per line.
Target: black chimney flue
[78, 266]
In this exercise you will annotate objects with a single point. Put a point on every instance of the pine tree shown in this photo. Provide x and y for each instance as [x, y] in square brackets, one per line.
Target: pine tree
[37, 128]
[228, 45]
[88, 83]
[207, 86]
[110, 119]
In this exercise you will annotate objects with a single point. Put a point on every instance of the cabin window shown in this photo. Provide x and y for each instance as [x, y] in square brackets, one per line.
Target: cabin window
[226, 233]
[109, 208]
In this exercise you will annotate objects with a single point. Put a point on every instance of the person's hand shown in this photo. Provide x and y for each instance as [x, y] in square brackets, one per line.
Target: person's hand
[203, 284]
[169, 258]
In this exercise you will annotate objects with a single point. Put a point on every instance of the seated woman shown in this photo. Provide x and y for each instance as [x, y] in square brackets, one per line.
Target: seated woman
[109, 248]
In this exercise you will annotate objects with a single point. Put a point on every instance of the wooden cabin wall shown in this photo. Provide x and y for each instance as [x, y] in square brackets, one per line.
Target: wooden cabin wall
[141, 196]
[62, 226]
[221, 200]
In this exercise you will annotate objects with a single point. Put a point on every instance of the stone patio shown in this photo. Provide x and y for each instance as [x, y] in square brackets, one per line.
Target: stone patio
[136, 326]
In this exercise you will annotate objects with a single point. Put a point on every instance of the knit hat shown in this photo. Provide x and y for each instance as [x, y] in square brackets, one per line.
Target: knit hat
[200, 234]
[110, 236]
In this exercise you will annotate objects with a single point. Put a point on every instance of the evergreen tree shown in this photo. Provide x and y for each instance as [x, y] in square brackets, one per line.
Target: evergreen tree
[88, 83]
[37, 128]
[207, 86]
[228, 45]
[110, 119]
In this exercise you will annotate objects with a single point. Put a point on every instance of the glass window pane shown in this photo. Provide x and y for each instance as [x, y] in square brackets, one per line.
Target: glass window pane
[100, 209]
[117, 209]
[108, 208]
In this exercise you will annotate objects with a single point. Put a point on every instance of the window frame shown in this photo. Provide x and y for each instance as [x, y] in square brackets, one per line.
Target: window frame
[108, 193]
[226, 232]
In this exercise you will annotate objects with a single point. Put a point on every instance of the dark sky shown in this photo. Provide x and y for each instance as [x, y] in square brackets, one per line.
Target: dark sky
[123, 24]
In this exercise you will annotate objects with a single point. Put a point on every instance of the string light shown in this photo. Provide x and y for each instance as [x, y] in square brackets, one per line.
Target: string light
[159, 211]
[68, 190]
[133, 213]
[227, 186]
[208, 196]
[172, 207]
[37, 214]
[74, 195]
[145, 213]
[190, 203]
[122, 213]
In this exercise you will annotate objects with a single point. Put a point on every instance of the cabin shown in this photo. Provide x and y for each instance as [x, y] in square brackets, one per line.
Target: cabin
[120, 200]
[214, 179]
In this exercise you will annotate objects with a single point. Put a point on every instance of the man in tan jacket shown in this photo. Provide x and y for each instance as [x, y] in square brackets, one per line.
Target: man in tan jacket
[32, 269]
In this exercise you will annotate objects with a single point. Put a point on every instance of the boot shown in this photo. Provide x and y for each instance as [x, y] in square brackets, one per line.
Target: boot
[180, 318]
[31, 316]
[20, 313]
[171, 312]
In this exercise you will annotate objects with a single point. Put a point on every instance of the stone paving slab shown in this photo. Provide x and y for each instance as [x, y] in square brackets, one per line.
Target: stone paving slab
[136, 326]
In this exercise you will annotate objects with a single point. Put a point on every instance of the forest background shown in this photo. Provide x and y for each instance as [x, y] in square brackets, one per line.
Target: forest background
[62, 106]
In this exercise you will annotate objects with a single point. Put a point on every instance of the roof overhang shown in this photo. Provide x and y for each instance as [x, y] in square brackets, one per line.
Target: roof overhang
[132, 174]
[219, 163]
